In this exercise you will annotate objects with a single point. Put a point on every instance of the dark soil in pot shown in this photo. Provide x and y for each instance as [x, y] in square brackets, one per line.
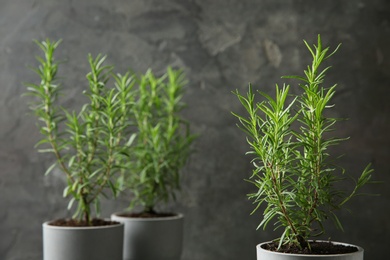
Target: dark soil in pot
[146, 215]
[77, 223]
[317, 248]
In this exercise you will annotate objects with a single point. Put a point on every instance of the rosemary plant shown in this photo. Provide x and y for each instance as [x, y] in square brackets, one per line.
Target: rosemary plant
[289, 140]
[163, 140]
[89, 146]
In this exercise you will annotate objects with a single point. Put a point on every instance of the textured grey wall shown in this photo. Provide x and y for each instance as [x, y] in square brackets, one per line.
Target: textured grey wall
[223, 45]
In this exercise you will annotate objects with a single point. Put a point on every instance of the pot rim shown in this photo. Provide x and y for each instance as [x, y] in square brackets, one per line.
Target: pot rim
[360, 249]
[47, 226]
[175, 217]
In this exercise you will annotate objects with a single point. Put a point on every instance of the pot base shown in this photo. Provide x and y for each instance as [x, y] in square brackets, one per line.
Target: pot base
[81, 243]
[152, 238]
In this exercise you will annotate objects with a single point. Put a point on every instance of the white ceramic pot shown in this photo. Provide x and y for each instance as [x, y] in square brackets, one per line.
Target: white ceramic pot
[263, 254]
[83, 243]
[152, 238]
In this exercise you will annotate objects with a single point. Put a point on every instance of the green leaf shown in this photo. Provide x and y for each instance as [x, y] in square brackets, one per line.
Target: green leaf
[50, 168]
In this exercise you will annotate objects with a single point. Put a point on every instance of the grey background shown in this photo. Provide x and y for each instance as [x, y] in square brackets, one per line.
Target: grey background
[222, 45]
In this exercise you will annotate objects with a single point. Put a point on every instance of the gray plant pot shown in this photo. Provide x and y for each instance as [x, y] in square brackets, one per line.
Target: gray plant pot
[152, 238]
[83, 243]
[263, 254]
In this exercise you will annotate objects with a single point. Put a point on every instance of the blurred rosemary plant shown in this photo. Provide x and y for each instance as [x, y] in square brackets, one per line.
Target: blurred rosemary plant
[91, 145]
[163, 142]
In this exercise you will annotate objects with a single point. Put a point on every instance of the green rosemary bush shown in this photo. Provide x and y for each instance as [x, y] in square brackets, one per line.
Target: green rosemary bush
[90, 145]
[289, 140]
[163, 140]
